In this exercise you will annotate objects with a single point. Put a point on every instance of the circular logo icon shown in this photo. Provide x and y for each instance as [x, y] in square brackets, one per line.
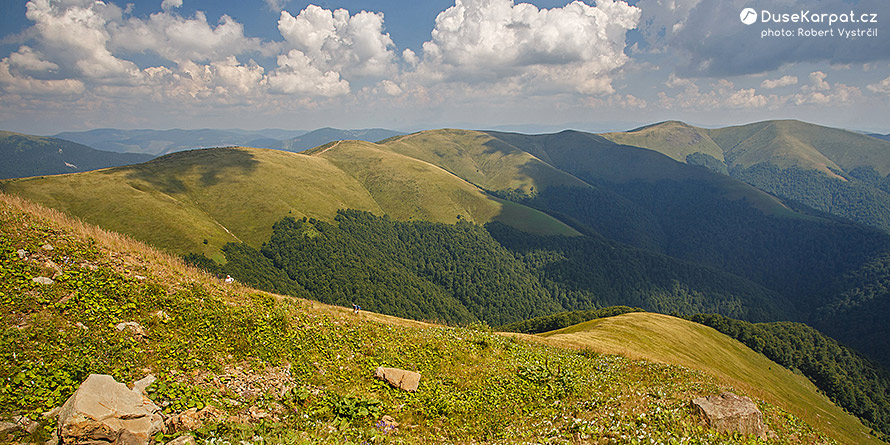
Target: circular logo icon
[748, 16]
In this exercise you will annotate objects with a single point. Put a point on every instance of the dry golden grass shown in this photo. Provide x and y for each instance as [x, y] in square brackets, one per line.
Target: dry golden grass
[671, 340]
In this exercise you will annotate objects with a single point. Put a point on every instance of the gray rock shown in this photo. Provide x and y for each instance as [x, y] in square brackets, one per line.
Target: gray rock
[400, 378]
[131, 326]
[22, 253]
[47, 247]
[142, 384]
[42, 280]
[729, 413]
[105, 411]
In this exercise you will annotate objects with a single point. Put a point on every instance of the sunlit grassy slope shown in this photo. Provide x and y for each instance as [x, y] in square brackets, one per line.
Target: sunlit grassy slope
[672, 138]
[666, 339]
[236, 194]
[482, 160]
[311, 366]
[784, 143]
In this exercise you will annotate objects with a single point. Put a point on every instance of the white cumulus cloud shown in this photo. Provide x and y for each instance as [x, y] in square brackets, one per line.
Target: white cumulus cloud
[573, 48]
[179, 39]
[167, 5]
[354, 46]
[783, 81]
[882, 87]
[297, 75]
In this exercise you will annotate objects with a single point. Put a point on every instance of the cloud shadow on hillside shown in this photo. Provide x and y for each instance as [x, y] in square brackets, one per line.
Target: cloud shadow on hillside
[211, 166]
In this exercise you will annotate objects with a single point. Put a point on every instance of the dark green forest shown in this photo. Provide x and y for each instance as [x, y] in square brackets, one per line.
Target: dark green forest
[863, 197]
[464, 272]
[561, 320]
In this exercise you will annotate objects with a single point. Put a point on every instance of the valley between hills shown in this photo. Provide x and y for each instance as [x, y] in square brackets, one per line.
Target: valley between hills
[444, 238]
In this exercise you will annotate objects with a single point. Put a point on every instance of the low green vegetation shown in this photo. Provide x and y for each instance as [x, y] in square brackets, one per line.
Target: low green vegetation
[310, 368]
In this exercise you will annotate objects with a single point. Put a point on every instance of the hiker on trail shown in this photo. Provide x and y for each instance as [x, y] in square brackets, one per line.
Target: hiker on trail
[355, 308]
[229, 279]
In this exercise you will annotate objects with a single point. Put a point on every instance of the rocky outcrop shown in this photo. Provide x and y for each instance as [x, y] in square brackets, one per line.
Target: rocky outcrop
[729, 413]
[400, 378]
[105, 411]
[193, 419]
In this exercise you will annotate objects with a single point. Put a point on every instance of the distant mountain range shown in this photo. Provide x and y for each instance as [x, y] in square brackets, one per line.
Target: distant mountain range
[26, 155]
[161, 142]
[839, 172]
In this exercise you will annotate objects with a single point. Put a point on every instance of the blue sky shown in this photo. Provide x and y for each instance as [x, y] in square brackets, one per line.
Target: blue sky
[408, 65]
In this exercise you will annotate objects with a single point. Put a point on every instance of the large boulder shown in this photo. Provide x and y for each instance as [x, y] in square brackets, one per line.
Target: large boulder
[729, 413]
[400, 378]
[105, 411]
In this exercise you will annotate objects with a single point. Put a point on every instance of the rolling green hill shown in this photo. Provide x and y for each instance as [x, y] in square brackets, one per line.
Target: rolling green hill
[236, 194]
[676, 341]
[675, 139]
[25, 155]
[481, 159]
[311, 365]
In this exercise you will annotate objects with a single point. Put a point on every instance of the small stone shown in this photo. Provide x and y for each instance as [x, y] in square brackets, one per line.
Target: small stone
[192, 419]
[162, 315]
[42, 280]
[132, 326]
[81, 326]
[22, 253]
[139, 277]
[26, 424]
[185, 439]
[46, 247]
[399, 378]
[387, 424]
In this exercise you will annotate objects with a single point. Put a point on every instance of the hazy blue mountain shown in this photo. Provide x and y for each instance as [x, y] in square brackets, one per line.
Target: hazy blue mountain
[25, 155]
[324, 135]
[159, 142]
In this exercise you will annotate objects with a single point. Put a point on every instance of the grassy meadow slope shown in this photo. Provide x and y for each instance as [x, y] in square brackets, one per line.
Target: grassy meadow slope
[310, 367]
[235, 194]
[793, 143]
[221, 195]
[666, 339]
[672, 138]
[482, 159]
[25, 155]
